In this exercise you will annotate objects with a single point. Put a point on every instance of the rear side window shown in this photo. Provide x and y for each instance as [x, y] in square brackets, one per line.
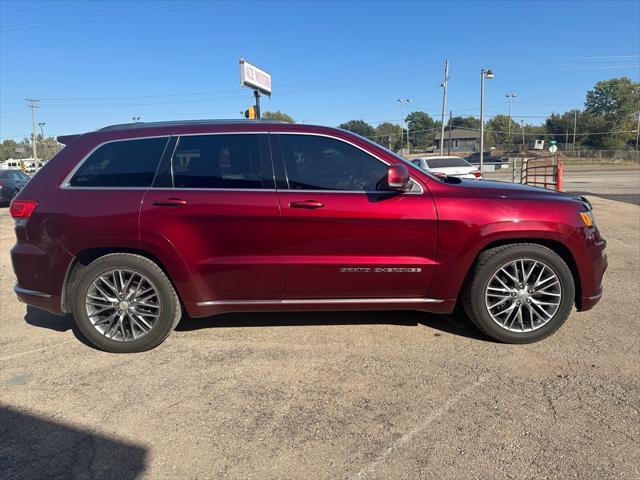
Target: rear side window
[218, 161]
[126, 163]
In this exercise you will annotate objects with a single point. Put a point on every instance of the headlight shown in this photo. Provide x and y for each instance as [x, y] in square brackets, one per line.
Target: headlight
[588, 218]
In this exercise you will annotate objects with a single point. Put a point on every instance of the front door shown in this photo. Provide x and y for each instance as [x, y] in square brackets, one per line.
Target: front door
[217, 208]
[345, 235]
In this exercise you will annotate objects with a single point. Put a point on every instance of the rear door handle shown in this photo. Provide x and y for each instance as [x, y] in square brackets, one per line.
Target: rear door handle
[170, 202]
[310, 204]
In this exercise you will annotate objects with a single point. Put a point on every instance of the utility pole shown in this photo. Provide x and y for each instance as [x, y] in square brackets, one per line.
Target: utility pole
[575, 124]
[403, 101]
[44, 145]
[33, 104]
[566, 140]
[510, 96]
[444, 86]
[522, 124]
[449, 141]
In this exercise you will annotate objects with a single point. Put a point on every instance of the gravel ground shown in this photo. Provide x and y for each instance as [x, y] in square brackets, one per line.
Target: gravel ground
[395, 395]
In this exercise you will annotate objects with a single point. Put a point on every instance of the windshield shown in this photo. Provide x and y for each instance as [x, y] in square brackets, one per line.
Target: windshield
[446, 162]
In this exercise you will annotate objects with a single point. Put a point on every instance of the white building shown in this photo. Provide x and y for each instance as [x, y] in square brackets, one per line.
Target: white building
[16, 164]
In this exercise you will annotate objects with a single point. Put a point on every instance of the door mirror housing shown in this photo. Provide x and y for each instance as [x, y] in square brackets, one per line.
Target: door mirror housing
[398, 178]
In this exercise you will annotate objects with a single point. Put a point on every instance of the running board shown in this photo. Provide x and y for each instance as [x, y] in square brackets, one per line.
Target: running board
[322, 301]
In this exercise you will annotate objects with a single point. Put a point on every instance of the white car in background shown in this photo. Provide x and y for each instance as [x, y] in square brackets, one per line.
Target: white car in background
[448, 167]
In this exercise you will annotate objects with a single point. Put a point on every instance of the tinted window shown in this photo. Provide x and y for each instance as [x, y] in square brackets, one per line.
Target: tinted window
[217, 161]
[127, 163]
[447, 162]
[321, 163]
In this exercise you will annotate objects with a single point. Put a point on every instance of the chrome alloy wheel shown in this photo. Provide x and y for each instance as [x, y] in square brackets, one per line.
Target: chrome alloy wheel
[523, 295]
[123, 305]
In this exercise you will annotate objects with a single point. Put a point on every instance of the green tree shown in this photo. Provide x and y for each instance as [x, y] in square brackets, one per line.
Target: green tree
[389, 135]
[465, 122]
[422, 130]
[360, 127]
[612, 106]
[594, 126]
[278, 115]
[8, 149]
[46, 148]
[497, 131]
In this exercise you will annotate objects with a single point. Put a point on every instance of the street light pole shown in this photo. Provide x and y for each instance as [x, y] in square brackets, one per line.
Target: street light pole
[510, 96]
[33, 104]
[44, 145]
[489, 75]
[444, 86]
[403, 101]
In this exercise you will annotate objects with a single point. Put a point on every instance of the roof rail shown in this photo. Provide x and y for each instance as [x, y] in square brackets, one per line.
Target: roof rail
[123, 126]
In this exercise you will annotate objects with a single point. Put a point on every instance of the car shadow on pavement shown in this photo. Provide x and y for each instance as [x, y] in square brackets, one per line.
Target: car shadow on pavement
[35, 447]
[59, 323]
[455, 323]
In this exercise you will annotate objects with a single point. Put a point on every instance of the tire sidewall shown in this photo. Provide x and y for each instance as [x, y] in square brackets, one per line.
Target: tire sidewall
[542, 254]
[168, 311]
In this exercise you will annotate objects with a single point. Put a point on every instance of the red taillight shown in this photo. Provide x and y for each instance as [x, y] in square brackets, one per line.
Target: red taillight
[22, 208]
[477, 174]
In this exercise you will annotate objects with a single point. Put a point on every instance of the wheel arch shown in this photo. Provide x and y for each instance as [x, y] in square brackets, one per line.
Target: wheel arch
[85, 257]
[554, 245]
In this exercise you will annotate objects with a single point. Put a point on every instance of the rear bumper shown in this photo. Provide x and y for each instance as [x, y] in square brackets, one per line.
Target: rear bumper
[40, 276]
[44, 301]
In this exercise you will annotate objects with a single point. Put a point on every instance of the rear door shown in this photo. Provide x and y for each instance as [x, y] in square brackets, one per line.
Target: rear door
[345, 235]
[215, 205]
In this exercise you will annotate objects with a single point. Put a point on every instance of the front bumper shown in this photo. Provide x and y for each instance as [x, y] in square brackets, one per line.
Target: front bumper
[592, 262]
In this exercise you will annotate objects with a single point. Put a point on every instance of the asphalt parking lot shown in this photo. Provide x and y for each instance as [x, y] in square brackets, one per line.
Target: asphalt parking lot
[389, 395]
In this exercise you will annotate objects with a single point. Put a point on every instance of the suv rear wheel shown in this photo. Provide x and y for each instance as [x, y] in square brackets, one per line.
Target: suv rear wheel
[125, 303]
[519, 293]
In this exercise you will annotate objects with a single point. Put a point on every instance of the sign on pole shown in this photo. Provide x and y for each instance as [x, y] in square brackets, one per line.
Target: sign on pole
[254, 77]
[553, 148]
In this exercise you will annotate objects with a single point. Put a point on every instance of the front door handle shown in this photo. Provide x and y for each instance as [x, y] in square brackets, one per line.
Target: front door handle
[170, 202]
[310, 204]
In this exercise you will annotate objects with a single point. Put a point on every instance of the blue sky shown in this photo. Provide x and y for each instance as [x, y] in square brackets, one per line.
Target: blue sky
[96, 63]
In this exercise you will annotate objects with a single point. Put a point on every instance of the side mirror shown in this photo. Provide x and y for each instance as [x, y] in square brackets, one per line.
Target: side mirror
[398, 178]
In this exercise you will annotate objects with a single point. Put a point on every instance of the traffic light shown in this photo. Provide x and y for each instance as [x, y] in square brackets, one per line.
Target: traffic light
[251, 113]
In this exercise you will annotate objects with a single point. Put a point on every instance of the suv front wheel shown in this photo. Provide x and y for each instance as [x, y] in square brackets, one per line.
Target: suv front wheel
[519, 293]
[125, 303]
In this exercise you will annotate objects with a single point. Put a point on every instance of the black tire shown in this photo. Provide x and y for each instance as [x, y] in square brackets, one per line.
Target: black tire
[170, 311]
[488, 263]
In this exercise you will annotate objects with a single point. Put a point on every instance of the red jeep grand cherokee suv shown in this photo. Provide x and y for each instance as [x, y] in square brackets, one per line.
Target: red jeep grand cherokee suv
[132, 224]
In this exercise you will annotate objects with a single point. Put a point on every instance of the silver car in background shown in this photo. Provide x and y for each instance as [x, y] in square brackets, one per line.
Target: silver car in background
[448, 167]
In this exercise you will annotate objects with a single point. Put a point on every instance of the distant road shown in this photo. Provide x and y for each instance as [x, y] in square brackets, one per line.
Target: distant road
[614, 183]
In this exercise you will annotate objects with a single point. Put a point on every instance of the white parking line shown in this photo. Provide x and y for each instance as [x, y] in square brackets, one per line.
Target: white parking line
[448, 405]
[46, 347]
